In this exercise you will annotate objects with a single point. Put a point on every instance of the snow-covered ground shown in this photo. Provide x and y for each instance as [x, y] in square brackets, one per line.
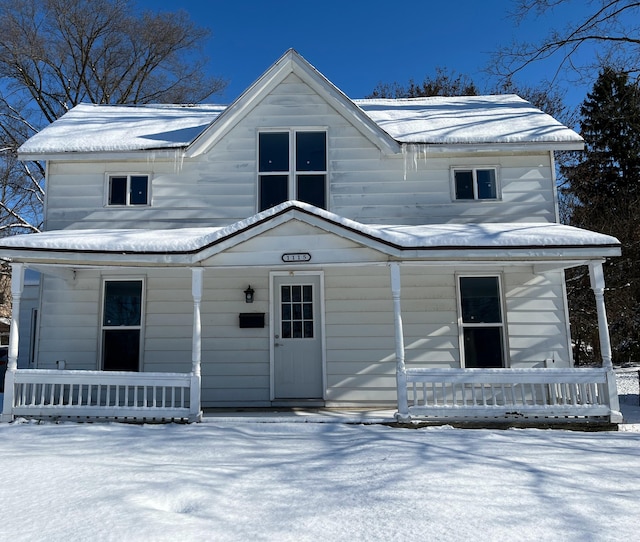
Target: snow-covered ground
[319, 481]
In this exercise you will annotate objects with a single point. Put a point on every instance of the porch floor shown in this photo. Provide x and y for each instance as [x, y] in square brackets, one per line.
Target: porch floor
[298, 415]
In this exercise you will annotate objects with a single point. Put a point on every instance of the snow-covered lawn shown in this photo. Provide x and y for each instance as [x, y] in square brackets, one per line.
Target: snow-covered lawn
[318, 481]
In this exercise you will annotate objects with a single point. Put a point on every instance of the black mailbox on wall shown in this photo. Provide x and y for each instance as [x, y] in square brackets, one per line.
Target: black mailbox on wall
[251, 319]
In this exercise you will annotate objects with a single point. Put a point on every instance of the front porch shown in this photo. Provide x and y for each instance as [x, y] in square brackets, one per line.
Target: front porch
[351, 273]
[522, 396]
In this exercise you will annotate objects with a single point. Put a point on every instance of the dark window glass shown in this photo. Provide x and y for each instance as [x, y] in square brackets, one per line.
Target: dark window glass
[286, 293]
[139, 190]
[273, 151]
[311, 151]
[296, 293]
[117, 190]
[297, 330]
[486, 184]
[308, 330]
[483, 347]
[286, 330]
[307, 294]
[311, 189]
[121, 349]
[464, 184]
[122, 303]
[480, 300]
[273, 190]
[307, 311]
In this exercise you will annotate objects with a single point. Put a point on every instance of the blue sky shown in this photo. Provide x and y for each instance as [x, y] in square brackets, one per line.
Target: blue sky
[358, 44]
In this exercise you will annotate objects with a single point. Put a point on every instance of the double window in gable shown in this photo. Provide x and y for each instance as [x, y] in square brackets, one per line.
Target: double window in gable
[292, 165]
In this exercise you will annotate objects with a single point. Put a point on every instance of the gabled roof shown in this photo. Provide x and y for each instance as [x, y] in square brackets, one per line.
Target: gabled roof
[436, 121]
[292, 62]
[188, 246]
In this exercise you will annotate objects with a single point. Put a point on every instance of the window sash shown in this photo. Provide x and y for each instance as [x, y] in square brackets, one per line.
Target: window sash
[128, 190]
[122, 319]
[305, 176]
[479, 183]
[481, 321]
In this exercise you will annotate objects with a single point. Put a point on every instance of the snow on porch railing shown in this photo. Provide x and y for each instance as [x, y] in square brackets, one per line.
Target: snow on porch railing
[509, 393]
[126, 396]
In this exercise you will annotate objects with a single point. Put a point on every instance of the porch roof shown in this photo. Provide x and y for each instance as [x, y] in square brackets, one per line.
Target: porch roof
[188, 246]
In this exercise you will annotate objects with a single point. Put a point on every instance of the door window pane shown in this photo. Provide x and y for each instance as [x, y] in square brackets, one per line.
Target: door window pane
[311, 151]
[296, 311]
[273, 151]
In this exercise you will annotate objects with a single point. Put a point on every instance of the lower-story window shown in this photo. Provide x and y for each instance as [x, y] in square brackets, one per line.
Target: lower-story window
[482, 327]
[121, 325]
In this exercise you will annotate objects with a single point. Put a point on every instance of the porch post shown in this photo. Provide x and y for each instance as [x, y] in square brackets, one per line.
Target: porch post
[196, 347]
[401, 372]
[17, 286]
[596, 275]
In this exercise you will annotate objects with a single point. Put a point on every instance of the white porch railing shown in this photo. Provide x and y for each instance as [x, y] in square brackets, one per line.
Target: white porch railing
[105, 395]
[508, 394]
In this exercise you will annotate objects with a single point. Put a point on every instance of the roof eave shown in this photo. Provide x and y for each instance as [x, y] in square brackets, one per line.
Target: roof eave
[535, 146]
[159, 153]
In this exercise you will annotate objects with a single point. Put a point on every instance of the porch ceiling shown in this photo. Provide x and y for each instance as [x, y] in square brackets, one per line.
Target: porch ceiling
[452, 243]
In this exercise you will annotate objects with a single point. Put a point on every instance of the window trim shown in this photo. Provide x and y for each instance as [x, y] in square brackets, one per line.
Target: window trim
[292, 173]
[474, 170]
[140, 327]
[503, 316]
[128, 174]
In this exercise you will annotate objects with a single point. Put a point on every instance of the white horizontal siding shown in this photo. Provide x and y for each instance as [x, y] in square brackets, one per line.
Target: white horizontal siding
[220, 186]
[359, 329]
[537, 324]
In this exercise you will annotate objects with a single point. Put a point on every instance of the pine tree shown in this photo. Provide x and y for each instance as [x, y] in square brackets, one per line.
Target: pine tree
[603, 191]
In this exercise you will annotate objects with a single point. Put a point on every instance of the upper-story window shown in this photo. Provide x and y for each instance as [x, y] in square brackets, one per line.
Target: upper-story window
[128, 189]
[292, 165]
[475, 183]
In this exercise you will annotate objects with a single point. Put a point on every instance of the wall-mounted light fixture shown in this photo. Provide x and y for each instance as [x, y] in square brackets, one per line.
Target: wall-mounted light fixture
[248, 294]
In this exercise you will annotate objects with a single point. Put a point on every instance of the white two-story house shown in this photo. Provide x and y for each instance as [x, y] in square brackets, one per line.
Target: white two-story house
[298, 247]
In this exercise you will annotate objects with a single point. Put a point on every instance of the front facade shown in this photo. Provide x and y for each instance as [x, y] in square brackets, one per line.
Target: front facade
[300, 248]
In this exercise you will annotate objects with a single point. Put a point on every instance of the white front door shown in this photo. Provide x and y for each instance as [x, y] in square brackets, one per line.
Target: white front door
[297, 337]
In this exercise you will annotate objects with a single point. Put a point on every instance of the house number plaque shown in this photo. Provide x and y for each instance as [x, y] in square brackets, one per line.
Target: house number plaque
[296, 257]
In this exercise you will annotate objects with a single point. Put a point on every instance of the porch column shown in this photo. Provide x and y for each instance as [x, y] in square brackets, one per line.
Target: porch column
[596, 274]
[401, 372]
[17, 286]
[196, 346]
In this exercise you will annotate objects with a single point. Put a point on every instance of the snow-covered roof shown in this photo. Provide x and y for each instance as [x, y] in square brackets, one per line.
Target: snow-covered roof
[396, 239]
[113, 128]
[506, 119]
[466, 119]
